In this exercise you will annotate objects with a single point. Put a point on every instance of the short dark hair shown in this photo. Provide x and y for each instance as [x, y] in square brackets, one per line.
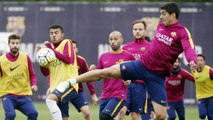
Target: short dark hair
[172, 8]
[139, 21]
[56, 27]
[201, 55]
[13, 36]
[75, 42]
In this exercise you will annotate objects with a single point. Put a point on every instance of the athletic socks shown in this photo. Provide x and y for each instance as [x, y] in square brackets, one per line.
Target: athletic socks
[54, 110]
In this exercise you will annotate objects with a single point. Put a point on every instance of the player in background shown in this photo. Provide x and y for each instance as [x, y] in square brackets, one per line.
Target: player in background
[169, 41]
[137, 97]
[175, 84]
[114, 91]
[64, 68]
[17, 80]
[204, 88]
[79, 100]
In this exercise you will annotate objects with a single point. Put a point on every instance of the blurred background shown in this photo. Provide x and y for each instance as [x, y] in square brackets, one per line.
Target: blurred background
[89, 22]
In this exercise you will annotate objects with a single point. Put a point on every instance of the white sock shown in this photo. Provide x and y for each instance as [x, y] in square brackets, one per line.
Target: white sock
[72, 81]
[54, 110]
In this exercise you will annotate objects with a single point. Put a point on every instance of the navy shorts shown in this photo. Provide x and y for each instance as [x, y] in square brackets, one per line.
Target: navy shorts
[205, 108]
[135, 70]
[136, 98]
[21, 103]
[178, 107]
[77, 99]
[111, 106]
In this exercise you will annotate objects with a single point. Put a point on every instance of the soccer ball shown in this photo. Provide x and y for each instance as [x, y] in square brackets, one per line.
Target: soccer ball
[45, 56]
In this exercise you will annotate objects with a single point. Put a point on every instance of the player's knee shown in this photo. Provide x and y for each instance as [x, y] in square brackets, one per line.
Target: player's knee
[106, 73]
[134, 116]
[10, 115]
[104, 116]
[33, 115]
[86, 113]
[161, 116]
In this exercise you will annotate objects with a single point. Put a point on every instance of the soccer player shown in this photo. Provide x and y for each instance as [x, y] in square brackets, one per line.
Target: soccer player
[169, 41]
[64, 68]
[204, 88]
[114, 91]
[175, 91]
[136, 102]
[17, 80]
[79, 100]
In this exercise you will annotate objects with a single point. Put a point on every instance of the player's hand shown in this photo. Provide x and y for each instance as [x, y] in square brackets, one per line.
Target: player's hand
[94, 99]
[34, 87]
[92, 67]
[127, 82]
[38, 48]
[193, 66]
[48, 44]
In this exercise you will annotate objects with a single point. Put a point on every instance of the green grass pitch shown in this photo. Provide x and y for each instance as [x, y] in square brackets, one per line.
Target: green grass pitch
[191, 113]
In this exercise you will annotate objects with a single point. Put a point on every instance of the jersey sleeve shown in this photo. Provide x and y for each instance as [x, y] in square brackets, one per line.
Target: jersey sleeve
[68, 53]
[31, 71]
[100, 64]
[188, 75]
[91, 87]
[188, 46]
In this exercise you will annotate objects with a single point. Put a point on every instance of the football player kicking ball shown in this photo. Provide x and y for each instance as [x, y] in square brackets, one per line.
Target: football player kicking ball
[169, 41]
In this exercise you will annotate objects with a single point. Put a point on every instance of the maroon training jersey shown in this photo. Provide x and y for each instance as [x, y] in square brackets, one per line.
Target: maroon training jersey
[114, 87]
[168, 43]
[175, 85]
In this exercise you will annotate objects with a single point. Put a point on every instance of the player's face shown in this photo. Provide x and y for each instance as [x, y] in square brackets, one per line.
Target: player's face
[75, 47]
[200, 62]
[165, 17]
[138, 30]
[176, 64]
[14, 46]
[115, 41]
[56, 35]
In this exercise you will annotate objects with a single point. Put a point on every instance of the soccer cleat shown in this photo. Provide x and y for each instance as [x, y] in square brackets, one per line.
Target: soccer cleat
[63, 86]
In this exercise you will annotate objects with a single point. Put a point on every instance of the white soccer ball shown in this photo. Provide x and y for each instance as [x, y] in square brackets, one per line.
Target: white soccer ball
[45, 56]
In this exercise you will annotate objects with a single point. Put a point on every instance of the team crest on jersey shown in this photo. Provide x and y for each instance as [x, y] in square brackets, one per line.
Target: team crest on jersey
[16, 24]
[143, 48]
[179, 76]
[173, 34]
